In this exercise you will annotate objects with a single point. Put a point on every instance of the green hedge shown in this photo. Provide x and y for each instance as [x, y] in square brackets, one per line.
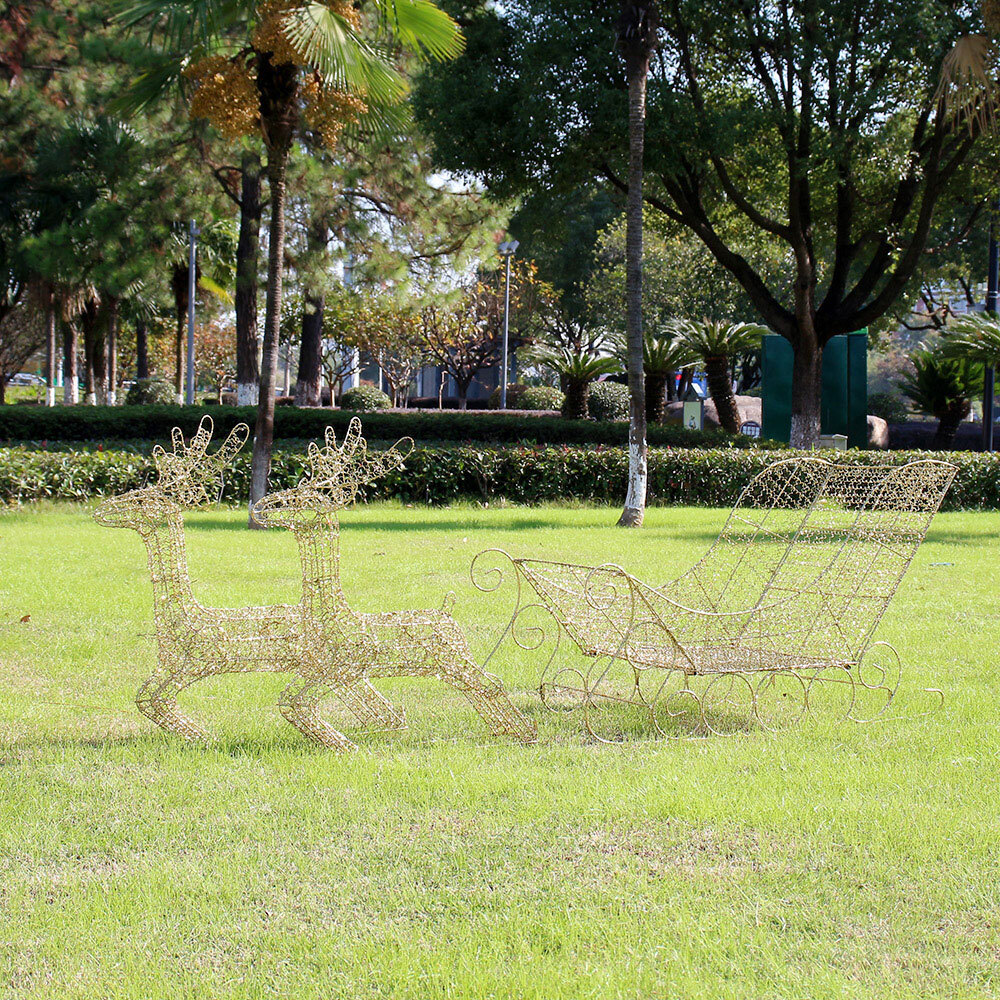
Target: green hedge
[154, 423]
[520, 474]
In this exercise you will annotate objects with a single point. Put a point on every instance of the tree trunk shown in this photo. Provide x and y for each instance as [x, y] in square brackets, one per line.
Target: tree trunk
[247, 252]
[720, 387]
[95, 357]
[179, 358]
[944, 436]
[656, 390]
[141, 348]
[263, 438]
[575, 404]
[277, 88]
[50, 348]
[807, 368]
[71, 391]
[463, 394]
[111, 394]
[308, 384]
[636, 22]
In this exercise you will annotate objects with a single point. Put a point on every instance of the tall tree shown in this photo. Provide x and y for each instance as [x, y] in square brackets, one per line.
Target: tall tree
[637, 27]
[815, 121]
[271, 68]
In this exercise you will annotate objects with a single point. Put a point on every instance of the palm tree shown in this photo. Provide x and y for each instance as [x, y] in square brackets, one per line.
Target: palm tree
[662, 357]
[577, 368]
[944, 387]
[275, 68]
[637, 29]
[716, 342]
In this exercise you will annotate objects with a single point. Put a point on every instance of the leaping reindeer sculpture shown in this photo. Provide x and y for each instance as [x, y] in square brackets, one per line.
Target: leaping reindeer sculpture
[363, 646]
[304, 639]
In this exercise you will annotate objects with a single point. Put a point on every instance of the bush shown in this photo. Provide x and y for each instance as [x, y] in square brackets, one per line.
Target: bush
[890, 406]
[95, 424]
[514, 392]
[527, 397]
[608, 401]
[541, 397]
[521, 474]
[151, 392]
[365, 399]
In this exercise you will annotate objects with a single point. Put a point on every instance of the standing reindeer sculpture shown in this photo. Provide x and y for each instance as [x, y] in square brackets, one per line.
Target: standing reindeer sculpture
[327, 652]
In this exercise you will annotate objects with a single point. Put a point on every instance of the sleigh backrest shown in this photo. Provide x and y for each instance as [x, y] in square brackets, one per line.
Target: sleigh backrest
[827, 595]
[756, 539]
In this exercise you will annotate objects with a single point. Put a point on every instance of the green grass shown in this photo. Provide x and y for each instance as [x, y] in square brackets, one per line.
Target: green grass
[15, 393]
[824, 862]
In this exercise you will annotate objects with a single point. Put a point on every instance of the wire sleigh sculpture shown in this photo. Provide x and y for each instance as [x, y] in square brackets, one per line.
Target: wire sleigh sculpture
[330, 648]
[777, 618]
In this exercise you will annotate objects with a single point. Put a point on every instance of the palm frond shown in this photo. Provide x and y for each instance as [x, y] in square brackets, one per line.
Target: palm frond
[206, 284]
[716, 338]
[975, 336]
[147, 89]
[968, 89]
[421, 27]
[345, 60]
[938, 383]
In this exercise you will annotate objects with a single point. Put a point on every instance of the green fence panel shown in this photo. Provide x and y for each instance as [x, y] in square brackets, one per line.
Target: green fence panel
[844, 379]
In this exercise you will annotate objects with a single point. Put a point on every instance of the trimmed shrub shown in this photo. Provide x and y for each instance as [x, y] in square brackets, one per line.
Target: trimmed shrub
[93, 424]
[608, 401]
[712, 477]
[514, 392]
[541, 397]
[151, 392]
[365, 399]
[527, 397]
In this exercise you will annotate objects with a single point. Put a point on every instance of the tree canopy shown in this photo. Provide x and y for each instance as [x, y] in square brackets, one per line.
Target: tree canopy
[816, 122]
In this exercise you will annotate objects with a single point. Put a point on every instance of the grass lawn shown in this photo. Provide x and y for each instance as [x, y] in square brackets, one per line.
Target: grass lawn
[849, 861]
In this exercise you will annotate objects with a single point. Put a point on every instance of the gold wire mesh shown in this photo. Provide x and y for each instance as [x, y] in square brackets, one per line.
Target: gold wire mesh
[331, 649]
[784, 602]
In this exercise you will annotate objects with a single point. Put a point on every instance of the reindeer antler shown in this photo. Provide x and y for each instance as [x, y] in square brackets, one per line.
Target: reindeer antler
[187, 473]
[342, 470]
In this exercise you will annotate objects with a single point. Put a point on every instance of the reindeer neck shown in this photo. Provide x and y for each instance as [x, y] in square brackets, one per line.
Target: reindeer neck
[319, 552]
[168, 567]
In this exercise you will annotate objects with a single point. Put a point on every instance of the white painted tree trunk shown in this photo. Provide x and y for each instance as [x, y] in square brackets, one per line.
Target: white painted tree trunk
[247, 394]
[71, 391]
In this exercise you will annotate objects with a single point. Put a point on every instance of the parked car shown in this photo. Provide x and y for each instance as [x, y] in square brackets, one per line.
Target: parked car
[25, 378]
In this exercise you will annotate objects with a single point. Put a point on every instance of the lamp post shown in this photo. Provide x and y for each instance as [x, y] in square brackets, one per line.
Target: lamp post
[507, 250]
[193, 233]
[992, 296]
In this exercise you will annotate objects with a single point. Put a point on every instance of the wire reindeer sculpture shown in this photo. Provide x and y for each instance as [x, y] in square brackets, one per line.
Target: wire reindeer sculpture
[326, 646]
[363, 646]
[777, 616]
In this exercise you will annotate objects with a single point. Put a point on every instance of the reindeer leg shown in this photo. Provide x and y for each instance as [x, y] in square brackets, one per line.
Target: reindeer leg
[299, 704]
[448, 657]
[485, 692]
[370, 707]
[157, 700]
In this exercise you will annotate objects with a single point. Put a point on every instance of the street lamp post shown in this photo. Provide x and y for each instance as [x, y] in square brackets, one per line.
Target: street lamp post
[193, 233]
[507, 250]
[992, 296]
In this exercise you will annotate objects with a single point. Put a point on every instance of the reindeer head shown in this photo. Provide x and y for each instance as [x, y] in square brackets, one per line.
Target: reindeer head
[187, 477]
[337, 473]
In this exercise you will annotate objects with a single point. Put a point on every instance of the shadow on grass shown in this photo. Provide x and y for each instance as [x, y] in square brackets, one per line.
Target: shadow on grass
[215, 523]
